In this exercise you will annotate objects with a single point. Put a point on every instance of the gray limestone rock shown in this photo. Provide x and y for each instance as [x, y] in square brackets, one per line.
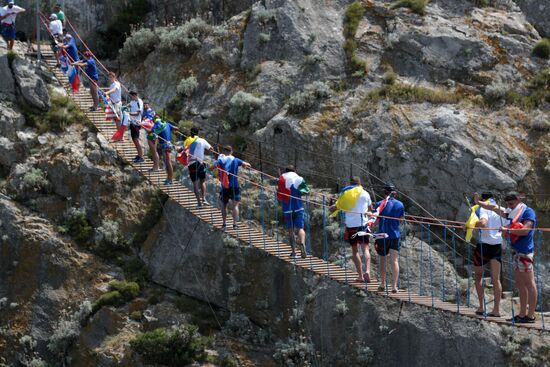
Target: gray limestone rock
[30, 85]
[537, 12]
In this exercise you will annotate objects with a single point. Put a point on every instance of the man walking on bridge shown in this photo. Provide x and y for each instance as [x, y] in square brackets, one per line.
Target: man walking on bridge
[290, 188]
[195, 148]
[93, 76]
[7, 16]
[358, 202]
[488, 251]
[391, 212]
[136, 110]
[228, 170]
[520, 231]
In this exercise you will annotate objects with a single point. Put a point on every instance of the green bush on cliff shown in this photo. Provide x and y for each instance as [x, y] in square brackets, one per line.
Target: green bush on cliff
[542, 48]
[34, 179]
[62, 113]
[354, 14]
[78, 226]
[187, 86]
[138, 45]
[417, 6]
[242, 105]
[300, 102]
[178, 346]
[294, 352]
[108, 241]
[186, 38]
[119, 293]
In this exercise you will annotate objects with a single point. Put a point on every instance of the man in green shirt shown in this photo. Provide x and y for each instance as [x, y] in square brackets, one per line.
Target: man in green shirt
[60, 15]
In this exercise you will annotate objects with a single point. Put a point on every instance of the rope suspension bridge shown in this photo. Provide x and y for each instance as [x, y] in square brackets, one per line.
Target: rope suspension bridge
[260, 236]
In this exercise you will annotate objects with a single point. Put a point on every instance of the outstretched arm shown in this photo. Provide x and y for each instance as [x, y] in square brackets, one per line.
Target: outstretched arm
[493, 207]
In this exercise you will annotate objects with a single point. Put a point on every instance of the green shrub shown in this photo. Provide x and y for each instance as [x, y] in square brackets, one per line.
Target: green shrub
[417, 6]
[135, 270]
[128, 290]
[178, 346]
[294, 352]
[253, 72]
[187, 86]
[113, 298]
[404, 93]
[354, 14]
[300, 102]
[242, 105]
[113, 34]
[264, 37]
[62, 113]
[264, 16]
[185, 126]
[217, 53]
[11, 56]
[35, 180]
[542, 49]
[136, 315]
[186, 38]
[108, 241]
[390, 77]
[78, 226]
[228, 361]
[138, 45]
[312, 59]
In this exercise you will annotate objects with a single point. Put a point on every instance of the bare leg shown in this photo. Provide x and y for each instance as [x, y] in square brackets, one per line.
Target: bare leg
[356, 257]
[528, 293]
[203, 188]
[95, 97]
[139, 149]
[394, 269]
[497, 286]
[154, 154]
[478, 270]
[523, 293]
[224, 212]
[382, 271]
[197, 191]
[290, 232]
[235, 212]
[366, 252]
[169, 168]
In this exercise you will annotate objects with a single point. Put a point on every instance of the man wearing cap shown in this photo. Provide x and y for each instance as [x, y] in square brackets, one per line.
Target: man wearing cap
[91, 72]
[136, 110]
[59, 13]
[69, 45]
[391, 211]
[488, 251]
[520, 231]
[56, 28]
[8, 14]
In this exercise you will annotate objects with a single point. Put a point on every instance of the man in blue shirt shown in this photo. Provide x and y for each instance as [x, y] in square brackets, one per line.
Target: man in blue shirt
[69, 45]
[93, 76]
[391, 213]
[228, 170]
[520, 231]
[163, 132]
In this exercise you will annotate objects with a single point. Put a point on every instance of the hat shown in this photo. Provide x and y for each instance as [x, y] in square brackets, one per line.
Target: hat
[512, 195]
[53, 17]
[389, 186]
[88, 54]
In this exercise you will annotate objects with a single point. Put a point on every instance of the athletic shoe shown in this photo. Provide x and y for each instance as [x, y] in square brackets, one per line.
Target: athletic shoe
[205, 202]
[292, 254]
[168, 182]
[527, 320]
[303, 252]
[235, 226]
[138, 159]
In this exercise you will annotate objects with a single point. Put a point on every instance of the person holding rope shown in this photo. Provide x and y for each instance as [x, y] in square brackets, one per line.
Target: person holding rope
[59, 13]
[114, 92]
[55, 27]
[69, 45]
[391, 212]
[91, 72]
[8, 14]
[136, 112]
[488, 251]
[162, 131]
[195, 148]
[290, 188]
[520, 231]
[359, 203]
[228, 170]
[147, 122]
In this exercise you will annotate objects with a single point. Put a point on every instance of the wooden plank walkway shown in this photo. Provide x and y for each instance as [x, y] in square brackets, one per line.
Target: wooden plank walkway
[248, 234]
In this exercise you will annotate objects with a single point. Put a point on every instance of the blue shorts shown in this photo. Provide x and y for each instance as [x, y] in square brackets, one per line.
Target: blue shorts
[230, 193]
[294, 219]
[8, 31]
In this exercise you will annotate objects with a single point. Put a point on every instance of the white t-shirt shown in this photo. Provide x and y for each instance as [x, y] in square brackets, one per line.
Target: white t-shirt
[56, 27]
[353, 219]
[491, 236]
[13, 11]
[136, 106]
[116, 96]
[197, 150]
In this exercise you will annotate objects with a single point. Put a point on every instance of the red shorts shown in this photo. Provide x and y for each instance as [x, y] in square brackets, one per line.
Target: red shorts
[349, 235]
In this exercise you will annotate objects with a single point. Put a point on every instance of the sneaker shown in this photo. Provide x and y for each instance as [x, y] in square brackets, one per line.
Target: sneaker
[224, 227]
[235, 226]
[516, 319]
[205, 202]
[303, 252]
[168, 182]
[292, 254]
[93, 109]
[138, 159]
[527, 320]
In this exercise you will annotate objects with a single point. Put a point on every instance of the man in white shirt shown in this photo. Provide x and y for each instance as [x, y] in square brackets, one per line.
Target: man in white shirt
[8, 15]
[56, 28]
[356, 221]
[197, 169]
[488, 251]
[115, 95]
[136, 110]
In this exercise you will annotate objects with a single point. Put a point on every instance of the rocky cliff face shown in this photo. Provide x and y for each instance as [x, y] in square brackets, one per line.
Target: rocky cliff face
[435, 112]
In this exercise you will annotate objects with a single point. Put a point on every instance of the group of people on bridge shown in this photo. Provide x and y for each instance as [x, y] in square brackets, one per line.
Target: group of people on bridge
[514, 224]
